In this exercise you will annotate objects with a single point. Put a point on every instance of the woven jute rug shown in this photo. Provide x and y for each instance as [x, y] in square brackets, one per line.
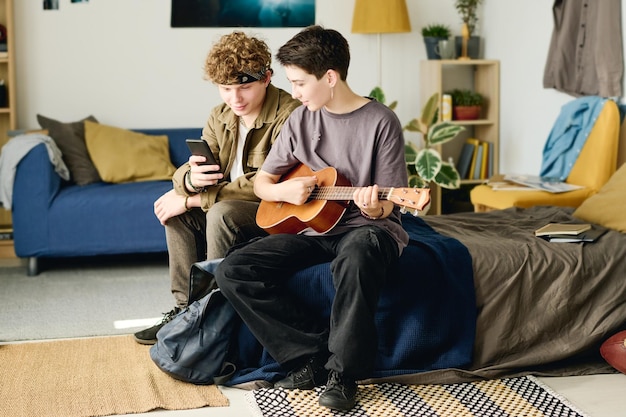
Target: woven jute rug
[91, 377]
[513, 397]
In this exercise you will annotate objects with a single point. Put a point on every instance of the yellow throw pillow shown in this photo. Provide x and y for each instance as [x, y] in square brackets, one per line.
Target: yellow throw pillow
[121, 155]
[606, 207]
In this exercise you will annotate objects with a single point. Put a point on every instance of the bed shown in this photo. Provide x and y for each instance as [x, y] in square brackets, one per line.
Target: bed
[478, 296]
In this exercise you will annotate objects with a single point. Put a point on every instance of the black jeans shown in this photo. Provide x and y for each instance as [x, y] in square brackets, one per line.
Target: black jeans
[253, 279]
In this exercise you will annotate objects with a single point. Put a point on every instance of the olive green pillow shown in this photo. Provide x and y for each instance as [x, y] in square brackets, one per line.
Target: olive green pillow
[122, 155]
[70, 138]
[606, 207]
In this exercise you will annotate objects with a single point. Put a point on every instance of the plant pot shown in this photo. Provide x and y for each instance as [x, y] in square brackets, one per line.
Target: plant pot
[473, 46]
[431, 43]
[466, 112]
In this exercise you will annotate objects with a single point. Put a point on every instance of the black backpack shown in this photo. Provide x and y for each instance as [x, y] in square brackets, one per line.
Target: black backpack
[197, 345]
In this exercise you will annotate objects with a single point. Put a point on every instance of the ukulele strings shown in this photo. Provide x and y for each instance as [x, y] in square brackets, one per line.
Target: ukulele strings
[342, 193]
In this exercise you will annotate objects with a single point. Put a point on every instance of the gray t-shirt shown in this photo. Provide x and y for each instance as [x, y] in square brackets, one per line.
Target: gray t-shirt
[366, 146]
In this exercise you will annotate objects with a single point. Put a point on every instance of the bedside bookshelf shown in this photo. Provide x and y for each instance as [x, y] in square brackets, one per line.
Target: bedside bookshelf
[8, 109]
[482, 76]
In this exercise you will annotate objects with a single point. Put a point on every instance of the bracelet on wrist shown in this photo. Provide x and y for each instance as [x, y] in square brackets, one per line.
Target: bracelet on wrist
[187, 208]
[189, 183]
[367, 216]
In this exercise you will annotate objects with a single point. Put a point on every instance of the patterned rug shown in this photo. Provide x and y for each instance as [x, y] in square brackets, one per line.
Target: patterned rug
[512, 397]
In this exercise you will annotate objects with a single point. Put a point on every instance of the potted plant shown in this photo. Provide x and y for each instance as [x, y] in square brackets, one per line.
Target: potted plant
[378, 94]
[466, 104]
[467, 11]
[432, 35]
[426, 165]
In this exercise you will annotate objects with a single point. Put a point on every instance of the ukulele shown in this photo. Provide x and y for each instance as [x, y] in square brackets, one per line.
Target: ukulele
[328, 202]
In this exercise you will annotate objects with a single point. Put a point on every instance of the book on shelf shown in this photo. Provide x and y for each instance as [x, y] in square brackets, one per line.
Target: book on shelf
[550, 185]
[474, 143]
[489, 160]
[475, 160]
[465, 159]
[6, 233]
[570, 229]
[479, 162]
[484, 161]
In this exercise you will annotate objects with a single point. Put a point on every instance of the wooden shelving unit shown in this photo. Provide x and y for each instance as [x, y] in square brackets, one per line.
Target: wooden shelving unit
[8, 118]
[483, 76]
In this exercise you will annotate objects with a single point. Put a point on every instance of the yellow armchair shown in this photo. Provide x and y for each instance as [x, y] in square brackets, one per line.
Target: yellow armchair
[594, 166]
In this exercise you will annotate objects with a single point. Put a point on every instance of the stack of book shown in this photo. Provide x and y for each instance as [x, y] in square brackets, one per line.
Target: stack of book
[476, 160]
[569, 233]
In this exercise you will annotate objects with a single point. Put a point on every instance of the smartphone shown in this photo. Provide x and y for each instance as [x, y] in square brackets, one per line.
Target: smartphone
[200, 147]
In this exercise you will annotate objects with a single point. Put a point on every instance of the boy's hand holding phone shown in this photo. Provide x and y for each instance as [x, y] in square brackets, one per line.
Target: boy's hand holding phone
[201, 177]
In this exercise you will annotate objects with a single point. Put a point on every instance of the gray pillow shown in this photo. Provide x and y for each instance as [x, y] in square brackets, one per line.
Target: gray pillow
[70, 138]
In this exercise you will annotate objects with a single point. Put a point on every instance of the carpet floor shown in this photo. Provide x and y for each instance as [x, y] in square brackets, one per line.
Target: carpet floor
[83, 297]
[92, 377]
[513, 397]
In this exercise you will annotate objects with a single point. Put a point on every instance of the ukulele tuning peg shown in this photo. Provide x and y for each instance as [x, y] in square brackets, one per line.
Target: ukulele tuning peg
[416, 213]
[403, 209]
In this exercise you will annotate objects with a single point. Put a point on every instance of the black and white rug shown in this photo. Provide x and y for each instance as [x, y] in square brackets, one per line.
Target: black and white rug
[512, 397]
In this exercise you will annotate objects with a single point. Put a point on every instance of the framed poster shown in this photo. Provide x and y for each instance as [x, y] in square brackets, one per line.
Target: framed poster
[242, 13]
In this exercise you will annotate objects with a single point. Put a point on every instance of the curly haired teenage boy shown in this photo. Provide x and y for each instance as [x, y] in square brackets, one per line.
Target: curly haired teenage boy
[206, 213]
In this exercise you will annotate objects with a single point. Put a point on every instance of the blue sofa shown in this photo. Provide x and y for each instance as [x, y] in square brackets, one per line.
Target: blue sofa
[55, 218]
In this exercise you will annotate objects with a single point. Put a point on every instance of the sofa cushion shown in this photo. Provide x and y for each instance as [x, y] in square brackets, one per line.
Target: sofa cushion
[606, 207]
[121, 155]
[70, 138]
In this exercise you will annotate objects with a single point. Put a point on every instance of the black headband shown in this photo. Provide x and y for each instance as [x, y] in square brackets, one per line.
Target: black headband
[250, 77]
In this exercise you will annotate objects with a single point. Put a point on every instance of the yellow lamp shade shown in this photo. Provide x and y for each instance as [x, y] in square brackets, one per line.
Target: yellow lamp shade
[380, 16]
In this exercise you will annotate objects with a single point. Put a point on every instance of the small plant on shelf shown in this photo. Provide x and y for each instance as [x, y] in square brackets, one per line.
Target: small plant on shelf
[436, 30]
[467, 11]
[466, 104]
[432, 35]
[466, 98]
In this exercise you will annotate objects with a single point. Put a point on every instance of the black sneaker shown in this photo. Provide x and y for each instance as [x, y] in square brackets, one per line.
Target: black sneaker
[339, 394]
[311, 375]
[148, 336]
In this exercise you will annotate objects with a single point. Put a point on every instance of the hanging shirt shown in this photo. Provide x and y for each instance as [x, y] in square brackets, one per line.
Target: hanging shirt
[586, 55]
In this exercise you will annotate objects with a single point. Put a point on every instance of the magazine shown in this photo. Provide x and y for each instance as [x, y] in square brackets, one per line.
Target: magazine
[551, 185]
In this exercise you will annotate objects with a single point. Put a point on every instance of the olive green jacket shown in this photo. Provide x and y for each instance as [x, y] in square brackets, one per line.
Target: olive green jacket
[221, 133]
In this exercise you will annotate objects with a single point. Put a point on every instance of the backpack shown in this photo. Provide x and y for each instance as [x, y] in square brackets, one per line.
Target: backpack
[197, 344]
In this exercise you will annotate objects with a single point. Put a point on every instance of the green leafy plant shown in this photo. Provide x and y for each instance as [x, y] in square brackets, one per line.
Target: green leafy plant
[466, 98]
[436, 30]
[426, 165]
[379, 95]
[467, 11]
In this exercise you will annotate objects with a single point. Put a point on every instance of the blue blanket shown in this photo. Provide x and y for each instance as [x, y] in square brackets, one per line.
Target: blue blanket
[426, 316]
